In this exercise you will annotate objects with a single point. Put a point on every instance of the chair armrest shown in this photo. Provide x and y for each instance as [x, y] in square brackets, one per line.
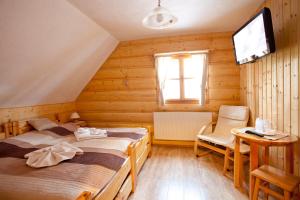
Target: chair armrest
[85, 196]
[203, 128]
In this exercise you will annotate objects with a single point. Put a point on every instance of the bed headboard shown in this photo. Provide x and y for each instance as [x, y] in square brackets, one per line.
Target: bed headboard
[13, 128]
[10, 129]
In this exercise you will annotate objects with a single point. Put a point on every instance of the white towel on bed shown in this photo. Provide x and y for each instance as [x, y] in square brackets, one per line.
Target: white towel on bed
[52, 155]
[89, 133]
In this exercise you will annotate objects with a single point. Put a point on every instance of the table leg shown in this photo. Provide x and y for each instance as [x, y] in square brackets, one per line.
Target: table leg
[253, 165]
[289, 158]
[237, 164]
[266, 155]
[266, 160]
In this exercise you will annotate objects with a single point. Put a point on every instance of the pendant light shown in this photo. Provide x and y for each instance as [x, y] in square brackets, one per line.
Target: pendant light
[159, 18]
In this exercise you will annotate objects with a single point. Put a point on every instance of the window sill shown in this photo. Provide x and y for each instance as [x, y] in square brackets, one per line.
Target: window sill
[182, 107]
[182, 101]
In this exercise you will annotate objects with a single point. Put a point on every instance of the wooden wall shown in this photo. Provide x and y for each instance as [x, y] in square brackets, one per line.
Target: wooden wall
[124, 90]
[270, 86]
[35, 111]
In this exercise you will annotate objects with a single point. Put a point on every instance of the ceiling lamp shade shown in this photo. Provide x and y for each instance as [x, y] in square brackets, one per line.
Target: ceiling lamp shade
[159, 18]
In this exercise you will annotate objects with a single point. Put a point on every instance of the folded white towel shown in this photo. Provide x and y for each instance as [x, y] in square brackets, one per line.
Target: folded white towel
[52, 155]
[89, 133]
[83, 130]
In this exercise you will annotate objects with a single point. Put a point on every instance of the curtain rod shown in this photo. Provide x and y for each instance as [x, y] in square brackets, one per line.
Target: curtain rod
[181, 52]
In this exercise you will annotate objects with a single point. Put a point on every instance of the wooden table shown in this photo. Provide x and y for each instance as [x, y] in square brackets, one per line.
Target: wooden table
[255, 141]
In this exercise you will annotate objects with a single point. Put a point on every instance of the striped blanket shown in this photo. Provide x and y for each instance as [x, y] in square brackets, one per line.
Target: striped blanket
[91, 171]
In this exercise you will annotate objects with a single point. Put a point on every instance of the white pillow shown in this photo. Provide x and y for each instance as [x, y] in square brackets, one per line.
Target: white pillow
[42, 123]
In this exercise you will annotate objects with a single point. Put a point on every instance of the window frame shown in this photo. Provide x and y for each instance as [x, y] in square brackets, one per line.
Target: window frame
[181, 80]
[181, 56]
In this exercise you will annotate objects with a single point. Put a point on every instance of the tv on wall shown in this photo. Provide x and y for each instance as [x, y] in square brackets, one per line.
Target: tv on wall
[254, 39]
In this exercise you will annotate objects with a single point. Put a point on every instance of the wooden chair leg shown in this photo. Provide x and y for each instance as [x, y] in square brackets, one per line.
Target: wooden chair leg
[242, 176]
[196, 147]
[287, 195]
[196, 150]
[256, 189]
[204, 153]
[266, 195]
[226, 161]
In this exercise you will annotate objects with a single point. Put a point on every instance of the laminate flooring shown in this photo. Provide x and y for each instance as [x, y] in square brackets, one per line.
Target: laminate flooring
[175, 173]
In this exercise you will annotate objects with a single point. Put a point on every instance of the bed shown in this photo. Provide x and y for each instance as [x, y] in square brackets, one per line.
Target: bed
[123, 178]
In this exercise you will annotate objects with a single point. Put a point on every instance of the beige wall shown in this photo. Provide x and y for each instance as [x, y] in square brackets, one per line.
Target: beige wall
[124, 90]
[270, 86]
[49, 51]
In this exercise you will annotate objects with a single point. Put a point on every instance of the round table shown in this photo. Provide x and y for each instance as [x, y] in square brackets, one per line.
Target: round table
[255, 142]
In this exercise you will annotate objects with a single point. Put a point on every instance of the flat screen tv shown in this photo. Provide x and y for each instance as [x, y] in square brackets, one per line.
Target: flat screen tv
[254, 39]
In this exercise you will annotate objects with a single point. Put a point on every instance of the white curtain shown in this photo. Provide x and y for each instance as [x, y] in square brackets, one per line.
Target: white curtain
[204, 80]
[162, 74]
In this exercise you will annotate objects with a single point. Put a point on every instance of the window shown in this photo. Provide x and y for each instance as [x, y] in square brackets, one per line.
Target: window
[182, 77]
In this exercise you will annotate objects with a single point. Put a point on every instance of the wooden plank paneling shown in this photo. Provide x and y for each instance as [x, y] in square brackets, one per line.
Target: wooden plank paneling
[125, 73]
[274, 92]
[294, 40]
[297, 149]
[125, 88]
[212, 106]
[117, 106]
[117, 117]
[224, 70]
[287, 65]
[264, 88]
[242, 86]
[224, 94]
[225, 81]
[221, 56]
[120, 124]
[132, 95]
[29, 112]
[121, 84]
[138, 61]
[168, 44]
[278, 77]
[269, 88]
[260, 88]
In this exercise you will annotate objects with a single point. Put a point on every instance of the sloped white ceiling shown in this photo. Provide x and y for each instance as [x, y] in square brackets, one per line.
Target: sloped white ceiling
[123, 18]
[49, 51]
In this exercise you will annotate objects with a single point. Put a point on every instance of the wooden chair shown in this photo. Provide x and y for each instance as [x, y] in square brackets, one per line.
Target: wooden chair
[221, 140]
[266, 175]
[229, 157]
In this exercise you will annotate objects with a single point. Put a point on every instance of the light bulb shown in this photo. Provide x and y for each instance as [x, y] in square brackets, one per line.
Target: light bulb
[159, 17]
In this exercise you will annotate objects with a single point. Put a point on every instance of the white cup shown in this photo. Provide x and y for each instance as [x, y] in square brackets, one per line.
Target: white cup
[259, 124]
[262, 125]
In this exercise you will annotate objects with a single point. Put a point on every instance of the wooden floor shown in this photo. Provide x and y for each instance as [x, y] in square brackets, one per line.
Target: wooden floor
[174, 173]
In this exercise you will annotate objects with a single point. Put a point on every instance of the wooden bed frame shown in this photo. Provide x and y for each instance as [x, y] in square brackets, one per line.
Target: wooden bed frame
[124, 181]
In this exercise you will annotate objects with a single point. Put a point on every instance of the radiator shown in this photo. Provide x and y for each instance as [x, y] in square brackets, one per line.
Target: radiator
[179, 125]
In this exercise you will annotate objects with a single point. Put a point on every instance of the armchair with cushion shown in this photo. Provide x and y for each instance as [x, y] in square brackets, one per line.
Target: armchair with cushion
[221, 140]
